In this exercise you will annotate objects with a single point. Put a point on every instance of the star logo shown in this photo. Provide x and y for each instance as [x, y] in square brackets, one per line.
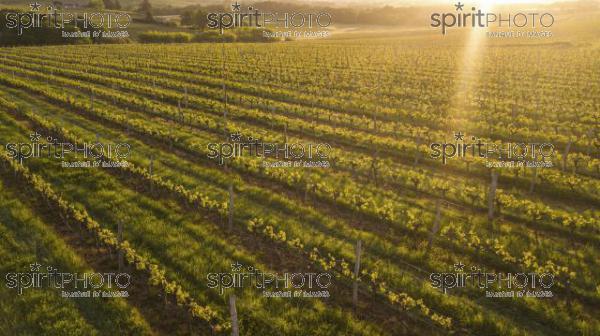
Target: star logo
[459, 136]
[459, 267]
[236, 137]
[35, 6]
[253, 140]
[34, 267]
[459, 6]
[35, 137]
[236, 7]
[236, 267]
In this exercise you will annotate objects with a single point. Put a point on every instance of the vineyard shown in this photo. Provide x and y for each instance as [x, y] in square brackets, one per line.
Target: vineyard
[173, 215]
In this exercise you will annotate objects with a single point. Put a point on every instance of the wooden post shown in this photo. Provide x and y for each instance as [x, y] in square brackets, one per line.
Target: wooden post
[568, 290]
[590, 142]
[120, 253]
[533, 180]
[418, 153]
[306, 192]
[492, 198]
[375, 120]
[436, 224]
[356, 274]
[235, 330]
[224, 86]
[224, 101]
[150, 171]
[231, 207]
[565, 156]
[374, 164]
[186, 101]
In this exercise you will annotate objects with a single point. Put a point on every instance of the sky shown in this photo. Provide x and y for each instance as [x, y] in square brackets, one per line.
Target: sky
[431, 2]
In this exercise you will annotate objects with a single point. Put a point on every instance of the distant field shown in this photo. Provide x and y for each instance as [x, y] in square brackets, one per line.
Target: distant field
[379, 100]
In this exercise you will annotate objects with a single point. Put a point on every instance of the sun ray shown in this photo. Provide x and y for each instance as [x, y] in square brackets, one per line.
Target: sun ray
[470, 65]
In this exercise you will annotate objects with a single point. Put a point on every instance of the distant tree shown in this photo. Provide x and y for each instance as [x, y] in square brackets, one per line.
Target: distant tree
[96, 4]
[187, 18]
[146, 9]
[195, 18]
[200, 19]
[108, 4]
[118, 4]
[42, 36]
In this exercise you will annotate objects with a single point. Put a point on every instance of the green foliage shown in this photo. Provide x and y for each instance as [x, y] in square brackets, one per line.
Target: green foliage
[156, 275]
[237, 35]
[214, 36]
[165, 37]
[195, 18]
[27, 239]
[112, 4]
[97, 4]
[146, 9]
[35, 36]
[168, 101]
[253, 35]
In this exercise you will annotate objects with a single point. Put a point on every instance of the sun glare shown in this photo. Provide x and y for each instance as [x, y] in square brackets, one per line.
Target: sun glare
[491, 3]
